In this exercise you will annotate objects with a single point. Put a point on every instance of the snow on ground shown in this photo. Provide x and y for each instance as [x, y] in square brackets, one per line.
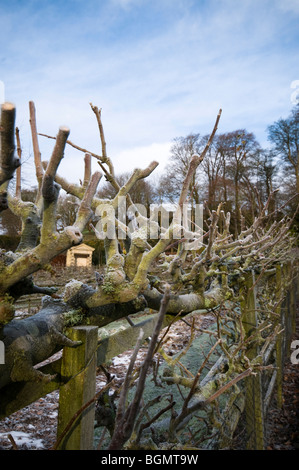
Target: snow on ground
[22, 439]
[34, 427]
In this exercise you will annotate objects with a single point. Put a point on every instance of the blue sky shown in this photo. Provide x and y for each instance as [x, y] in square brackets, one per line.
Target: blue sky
[159, 69]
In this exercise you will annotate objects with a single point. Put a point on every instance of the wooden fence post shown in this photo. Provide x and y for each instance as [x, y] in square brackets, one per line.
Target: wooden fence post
[79, 366]
[293, 296]
[253, 386]
[288, 311]
[279, 340]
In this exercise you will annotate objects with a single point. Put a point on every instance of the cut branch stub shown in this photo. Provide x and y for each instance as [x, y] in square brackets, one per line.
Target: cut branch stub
[85, 212]
[8, 161]
[18, 172]
[87, 169]
[36, 151]
[48, 188]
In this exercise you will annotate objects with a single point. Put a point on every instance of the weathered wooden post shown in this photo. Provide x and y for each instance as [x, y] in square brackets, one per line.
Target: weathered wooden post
[293, 274]
[78, 365]
[288, 308]
[279, 341]
[253, 386]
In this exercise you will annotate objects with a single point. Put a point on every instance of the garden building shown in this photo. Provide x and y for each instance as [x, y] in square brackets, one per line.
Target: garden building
[80, 255]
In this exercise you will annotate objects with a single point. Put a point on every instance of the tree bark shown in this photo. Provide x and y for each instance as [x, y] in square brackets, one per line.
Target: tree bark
[8, 161]
[32, 340]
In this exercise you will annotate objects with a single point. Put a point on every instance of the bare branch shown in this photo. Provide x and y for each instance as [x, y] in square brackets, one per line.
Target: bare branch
[195, 161]
[85, 212]
[18, 172]
[57, 155]
[37, 154]
[125, 419]
[105, 159]
[77, 147]
[137, 175]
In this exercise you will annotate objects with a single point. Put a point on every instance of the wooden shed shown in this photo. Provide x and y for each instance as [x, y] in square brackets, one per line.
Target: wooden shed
[80, 255]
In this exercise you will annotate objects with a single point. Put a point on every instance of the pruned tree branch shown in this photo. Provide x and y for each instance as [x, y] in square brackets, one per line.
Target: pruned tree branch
[36, 150]
[8, 161]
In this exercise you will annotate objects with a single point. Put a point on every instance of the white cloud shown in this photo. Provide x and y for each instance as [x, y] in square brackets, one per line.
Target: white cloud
[153, 84]
[140, 157]
[289, 5]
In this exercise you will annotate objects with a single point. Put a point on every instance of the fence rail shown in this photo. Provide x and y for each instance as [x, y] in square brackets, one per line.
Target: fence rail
[76, 369]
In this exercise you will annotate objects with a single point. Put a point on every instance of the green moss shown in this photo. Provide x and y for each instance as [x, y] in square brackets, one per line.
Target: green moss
[108, 287]
[229, 294]
[7, 310]
[75, 317]
[208, 303]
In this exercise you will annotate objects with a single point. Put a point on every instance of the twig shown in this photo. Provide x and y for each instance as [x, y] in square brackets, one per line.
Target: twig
[232, 382]
[195, 161]
[105, 159]
[125, 419]
[81, 149]
[78, 413]
[13, 442]
[155, 418]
